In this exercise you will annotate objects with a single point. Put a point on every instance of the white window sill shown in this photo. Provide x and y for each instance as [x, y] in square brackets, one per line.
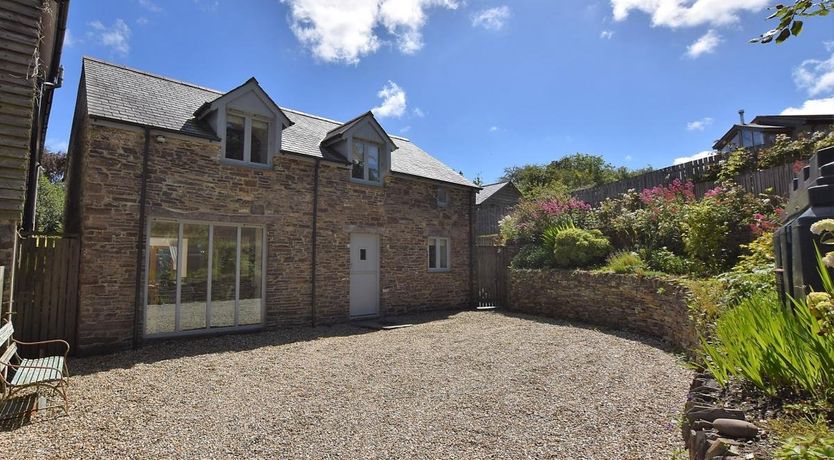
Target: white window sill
[245, 164]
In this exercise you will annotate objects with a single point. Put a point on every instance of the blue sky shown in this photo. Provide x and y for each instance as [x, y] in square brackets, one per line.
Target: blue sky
[482, 85]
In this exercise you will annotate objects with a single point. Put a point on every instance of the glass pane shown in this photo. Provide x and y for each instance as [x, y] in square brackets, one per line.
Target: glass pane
[358, 161]
[372, 155]
[747, 138]
[432, 253]
[162, 278]
[234, 137]
[444, 253]
[260, 141]
[223, 270]
[758, 138]
[251, 275]
[194, 277]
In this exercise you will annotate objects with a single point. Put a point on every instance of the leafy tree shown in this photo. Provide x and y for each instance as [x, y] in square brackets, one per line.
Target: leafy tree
[49, 216]
[787, 16]
[54, 164]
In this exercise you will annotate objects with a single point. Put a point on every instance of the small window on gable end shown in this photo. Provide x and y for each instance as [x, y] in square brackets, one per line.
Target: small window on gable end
[442, 197]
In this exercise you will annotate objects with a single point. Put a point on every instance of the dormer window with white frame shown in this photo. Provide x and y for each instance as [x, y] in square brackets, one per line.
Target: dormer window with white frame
[365, 162]
[247, 138]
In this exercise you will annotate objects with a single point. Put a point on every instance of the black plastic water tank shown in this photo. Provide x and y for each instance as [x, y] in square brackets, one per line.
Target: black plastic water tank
[811, 199]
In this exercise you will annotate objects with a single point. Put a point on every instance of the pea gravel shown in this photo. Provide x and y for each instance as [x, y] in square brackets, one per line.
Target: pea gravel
[462, 385]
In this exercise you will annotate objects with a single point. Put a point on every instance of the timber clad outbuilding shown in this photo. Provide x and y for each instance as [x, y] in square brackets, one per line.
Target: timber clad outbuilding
[201, 211]
[493, 203]
[31, 38]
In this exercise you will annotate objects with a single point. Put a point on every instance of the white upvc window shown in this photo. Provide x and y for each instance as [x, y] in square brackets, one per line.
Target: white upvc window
[247, 138]
[365, 160]
[439, 254]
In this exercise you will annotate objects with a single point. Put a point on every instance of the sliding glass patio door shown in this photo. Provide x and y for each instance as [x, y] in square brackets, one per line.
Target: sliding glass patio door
[202, 276]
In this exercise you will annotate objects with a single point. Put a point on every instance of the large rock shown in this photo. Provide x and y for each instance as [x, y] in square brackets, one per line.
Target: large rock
[714, 413]
[735, 428]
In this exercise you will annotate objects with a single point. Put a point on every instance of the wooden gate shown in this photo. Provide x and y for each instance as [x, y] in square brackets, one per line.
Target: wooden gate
[492, 275]
[45, 303]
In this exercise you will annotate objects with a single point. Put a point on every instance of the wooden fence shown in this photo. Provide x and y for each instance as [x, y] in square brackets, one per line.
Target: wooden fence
[45, 303]
[778, 179]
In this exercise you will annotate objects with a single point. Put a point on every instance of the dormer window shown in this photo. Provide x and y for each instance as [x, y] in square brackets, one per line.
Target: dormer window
[247, 138]
[365, 162]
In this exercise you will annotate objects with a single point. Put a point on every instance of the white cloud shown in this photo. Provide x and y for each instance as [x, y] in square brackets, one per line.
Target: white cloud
[57, 145]
[418, 112]
[628, 158]
[116, 37]
[697, 156]
[346, 30]
[829, 46]
[492, 18]
[812, 107]
[69, 39]
[606, 34]
[699, 125]
[704, 45]
[815, 76]
[393, 101]
[688, 13]
[150, 6]
[493, 129]
[142, 21]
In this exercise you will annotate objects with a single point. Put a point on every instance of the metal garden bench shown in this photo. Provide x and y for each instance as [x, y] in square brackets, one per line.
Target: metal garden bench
[17, 375]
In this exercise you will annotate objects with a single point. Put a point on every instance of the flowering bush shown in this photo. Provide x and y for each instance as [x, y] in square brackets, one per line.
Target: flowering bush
[530, 218]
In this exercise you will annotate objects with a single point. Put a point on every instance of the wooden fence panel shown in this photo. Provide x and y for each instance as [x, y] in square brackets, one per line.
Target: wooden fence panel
[492, 275]
[46, 290]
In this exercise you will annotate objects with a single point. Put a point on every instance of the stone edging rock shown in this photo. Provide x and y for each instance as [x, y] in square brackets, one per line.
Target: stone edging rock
[711, 431]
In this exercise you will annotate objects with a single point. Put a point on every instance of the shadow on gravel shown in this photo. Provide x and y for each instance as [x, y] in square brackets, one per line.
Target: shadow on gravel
[627, 335]
[165, 349]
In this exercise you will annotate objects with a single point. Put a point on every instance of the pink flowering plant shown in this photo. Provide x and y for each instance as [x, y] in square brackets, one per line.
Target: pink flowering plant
[530, 218]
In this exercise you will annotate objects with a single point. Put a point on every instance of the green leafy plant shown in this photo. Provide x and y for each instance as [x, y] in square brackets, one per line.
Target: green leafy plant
[532, 256]
[812, 447]
[753, 273]
[789, 24]
[577, 248]
[664, 260]
[624, 262]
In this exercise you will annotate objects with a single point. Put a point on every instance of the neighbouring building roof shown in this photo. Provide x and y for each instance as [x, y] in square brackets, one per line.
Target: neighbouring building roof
[489, 190]
[775, 124]
[120, 93]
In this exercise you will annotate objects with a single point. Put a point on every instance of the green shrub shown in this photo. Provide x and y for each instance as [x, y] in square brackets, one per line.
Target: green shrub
[753, 273]
[773, 347]
[625, 262]
[812, 447]
[576, 248]
[664, 260]
[706, 302]
[532, 256]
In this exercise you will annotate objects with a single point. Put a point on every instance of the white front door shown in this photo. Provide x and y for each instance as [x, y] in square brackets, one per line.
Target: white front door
[364, 274]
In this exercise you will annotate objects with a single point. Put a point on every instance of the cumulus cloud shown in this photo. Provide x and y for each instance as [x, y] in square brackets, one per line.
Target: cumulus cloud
[812, 107]
[815, 76]
[688, 13]
[704, 45]
[697, 156]
[492, 18]
[699, 125]
[346, 30]
[393, 101]
[606, 34]
[115, 37]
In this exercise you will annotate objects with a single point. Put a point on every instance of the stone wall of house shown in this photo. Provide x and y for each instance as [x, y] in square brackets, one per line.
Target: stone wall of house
[645, 305]
[187, 180]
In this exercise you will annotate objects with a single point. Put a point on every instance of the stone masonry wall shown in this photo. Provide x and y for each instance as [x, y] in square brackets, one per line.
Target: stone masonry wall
[188, 181]
[634, 303]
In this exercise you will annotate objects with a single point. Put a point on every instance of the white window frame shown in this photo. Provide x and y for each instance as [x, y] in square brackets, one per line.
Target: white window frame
[365, 169]
[437, 240]
[442, 192]
[208, 329]
[247, 139]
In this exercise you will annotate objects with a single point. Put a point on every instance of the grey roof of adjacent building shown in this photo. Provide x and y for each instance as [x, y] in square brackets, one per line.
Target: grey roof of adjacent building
[489, 190]
[133, 96]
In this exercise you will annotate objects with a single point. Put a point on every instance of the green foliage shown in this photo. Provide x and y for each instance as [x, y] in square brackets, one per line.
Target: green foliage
[753, 273]
[568, 173]
[625, 262]
[49, 217]
[812, 447]
[577, 248]
[548, 239]
[532, 216]
[532, 256]
[738, 162]
[773, 347]
[706, 302]
[787, 16]
[664, 260]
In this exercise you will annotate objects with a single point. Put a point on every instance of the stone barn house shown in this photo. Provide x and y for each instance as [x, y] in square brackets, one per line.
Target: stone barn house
[494, 202]
[201, 212]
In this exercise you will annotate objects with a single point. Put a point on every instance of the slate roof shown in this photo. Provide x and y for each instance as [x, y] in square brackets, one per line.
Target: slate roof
[123, 94]
[487, 191]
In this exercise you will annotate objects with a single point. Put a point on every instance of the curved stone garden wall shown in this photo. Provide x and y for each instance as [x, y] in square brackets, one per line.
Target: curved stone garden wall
[641, 304]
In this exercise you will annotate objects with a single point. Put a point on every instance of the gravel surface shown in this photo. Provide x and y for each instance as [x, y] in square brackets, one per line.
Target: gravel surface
[469, 385]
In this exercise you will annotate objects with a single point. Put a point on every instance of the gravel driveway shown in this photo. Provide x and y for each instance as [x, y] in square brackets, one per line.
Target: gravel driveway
[469, 385]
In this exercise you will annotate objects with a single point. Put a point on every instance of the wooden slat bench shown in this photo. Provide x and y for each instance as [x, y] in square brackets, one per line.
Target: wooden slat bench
[17, 375]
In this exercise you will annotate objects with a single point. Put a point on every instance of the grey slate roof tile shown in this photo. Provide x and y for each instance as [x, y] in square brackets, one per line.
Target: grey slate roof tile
[487, 191]
[124, 94]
